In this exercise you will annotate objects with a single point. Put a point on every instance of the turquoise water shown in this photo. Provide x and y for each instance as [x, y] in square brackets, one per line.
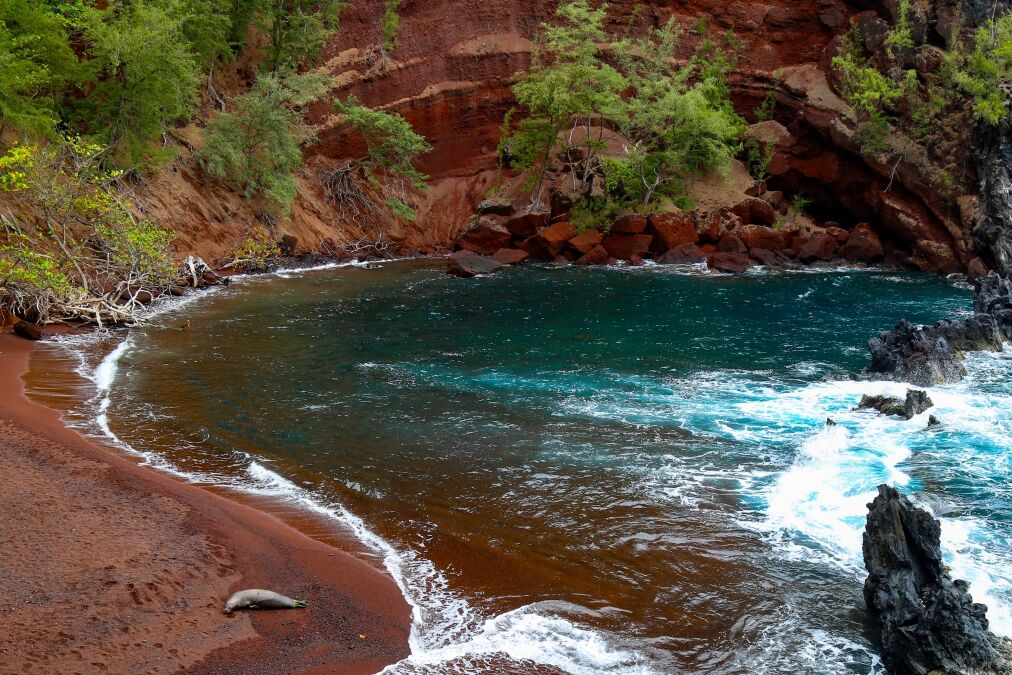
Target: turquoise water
[585, 470]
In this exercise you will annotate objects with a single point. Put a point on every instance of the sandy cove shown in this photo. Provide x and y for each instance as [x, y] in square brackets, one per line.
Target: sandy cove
[108, 566]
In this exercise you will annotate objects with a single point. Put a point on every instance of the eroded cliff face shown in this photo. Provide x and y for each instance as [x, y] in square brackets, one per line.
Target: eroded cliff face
[451, 75]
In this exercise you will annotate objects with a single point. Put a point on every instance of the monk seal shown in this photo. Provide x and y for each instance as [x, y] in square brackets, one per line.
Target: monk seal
[258, 598]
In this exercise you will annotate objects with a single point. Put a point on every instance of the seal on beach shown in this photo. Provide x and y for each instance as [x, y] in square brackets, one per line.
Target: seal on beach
[258, 598]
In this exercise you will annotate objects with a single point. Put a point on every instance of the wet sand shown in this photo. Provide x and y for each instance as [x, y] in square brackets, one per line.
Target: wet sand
[106, 565]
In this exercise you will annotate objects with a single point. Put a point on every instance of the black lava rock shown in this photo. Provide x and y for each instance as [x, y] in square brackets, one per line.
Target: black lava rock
[929, 622]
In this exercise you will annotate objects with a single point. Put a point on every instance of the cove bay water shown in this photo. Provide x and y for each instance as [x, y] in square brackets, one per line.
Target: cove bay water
[585, 470]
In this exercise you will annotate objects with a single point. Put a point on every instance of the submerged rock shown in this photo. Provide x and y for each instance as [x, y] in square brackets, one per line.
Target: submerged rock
[929, 622]
[916, 402]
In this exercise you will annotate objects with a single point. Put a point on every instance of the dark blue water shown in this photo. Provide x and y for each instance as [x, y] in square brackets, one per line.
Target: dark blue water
[586, 470]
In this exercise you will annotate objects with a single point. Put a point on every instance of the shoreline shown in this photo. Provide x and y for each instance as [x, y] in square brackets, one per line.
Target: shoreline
[111, 565]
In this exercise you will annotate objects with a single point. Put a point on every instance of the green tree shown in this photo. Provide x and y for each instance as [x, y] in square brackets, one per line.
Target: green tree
[392, 148]
[258, 145]
[391, 24]
[147, 77]
[983, 72]
[83, 255]
[296, 30]
[680, 120]
[568, 85]
[36, 64]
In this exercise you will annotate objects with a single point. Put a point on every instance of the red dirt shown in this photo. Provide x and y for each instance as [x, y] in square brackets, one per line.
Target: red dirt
[110, 566]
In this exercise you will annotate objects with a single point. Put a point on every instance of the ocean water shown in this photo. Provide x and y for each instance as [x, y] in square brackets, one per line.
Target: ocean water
[581, 470]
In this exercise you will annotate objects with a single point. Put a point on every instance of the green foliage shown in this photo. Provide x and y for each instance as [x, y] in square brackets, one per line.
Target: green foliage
[620, 179]
[400, 208]
[256, 252]
[567, 82]
[982, 72]
[296, 30]
[864, 87]
[758, 157]
[900, 36]
[207, 27]
[36, 62]
[147, 77]
[257, 146]
[392, 146]
[85, 249]
[680, 120]
[391, 24]
[764, 111]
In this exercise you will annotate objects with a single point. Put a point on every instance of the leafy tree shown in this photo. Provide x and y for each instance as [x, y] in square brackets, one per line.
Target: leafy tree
[296, 30]
[392, 147]
[983, 72]
[207, 27]
[258, 144]
[85, 256]
[36, 63]
[568, 85]
[680, 119]
[147, 76]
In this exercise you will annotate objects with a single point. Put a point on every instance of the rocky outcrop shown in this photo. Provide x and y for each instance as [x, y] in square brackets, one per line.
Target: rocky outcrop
[929, 623]
[914, 404]
[930, 355]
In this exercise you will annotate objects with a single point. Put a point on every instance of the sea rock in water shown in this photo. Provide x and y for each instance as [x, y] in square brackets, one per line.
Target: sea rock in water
[993, 296]
[27, 330]
[929, 622]
[916, 402]
[930, 355]
[470, 264]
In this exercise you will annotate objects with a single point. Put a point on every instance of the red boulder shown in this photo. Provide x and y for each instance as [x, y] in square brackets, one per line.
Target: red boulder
[550, 241]
[755, 211]
[625, 246]
[760, 236]
[686, 254]
[730, 262]
[510, 256]
[485, 237]
[729, 243]
[863, 244]
[585, 241]
[822, 246]
[598, 255]
[470, 264]
[673, 229]
[526, 224]
[629, 223]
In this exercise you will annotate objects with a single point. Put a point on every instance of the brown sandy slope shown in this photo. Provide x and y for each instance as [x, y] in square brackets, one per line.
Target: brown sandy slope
[109, 566]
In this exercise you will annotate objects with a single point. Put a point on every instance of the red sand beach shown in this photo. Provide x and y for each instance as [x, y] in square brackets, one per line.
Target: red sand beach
[108, 566]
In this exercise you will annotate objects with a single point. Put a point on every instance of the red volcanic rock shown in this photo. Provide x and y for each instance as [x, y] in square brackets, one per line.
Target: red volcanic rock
[673, 229]
[976, 269]
[27, 330]
[526, 224]
[841, 234]
[635, 260]
[760, 236]
[862, 244]
[765, 256]
[730, 243]
[585, 241]
[820, 247]
[629, 223]
[710, 227]
[774, 198]
[561, 260]
[550, 241]
[625, 246]
[685, 254]
[470, 264]
[510, 256]
[935, 256]
[730, 262]
[484, 237]
[755, 211]
[598, 255]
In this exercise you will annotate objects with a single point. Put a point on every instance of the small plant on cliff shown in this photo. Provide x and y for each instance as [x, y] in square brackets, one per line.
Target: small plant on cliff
[255, 253]
[392, 148]
[258, 145]
[983, 71]
[82, 254]
[391, 24]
